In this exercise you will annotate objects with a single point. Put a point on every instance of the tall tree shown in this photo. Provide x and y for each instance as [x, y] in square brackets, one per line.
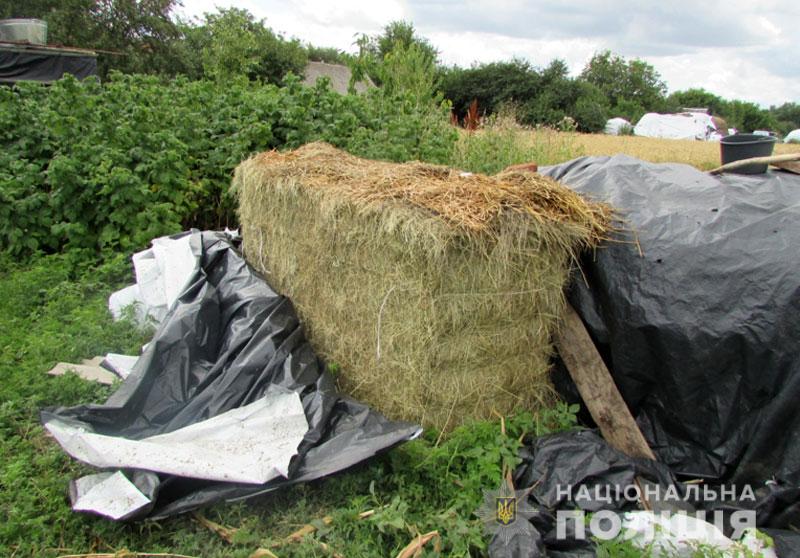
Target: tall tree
[397, 36]
[232, 42]
[403, 33]
[628, 85]
[140, 34]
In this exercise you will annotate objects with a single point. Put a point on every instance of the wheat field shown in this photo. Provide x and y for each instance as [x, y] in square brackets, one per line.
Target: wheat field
[701, 154]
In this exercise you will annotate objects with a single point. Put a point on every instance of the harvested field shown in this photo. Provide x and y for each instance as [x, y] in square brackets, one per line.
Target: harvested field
[435, 292]
[703, 155]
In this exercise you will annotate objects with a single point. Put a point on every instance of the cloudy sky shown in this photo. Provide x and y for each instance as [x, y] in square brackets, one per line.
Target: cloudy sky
[738, 49]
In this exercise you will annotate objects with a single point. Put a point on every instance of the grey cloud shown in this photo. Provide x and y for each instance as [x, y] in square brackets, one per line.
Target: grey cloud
[626, 25]
[784, 63]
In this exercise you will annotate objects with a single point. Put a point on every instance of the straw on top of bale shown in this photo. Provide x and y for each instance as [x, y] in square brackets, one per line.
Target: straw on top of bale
[434, 290]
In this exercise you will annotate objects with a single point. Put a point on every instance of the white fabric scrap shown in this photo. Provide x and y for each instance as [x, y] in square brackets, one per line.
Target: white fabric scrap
[108, 494]
[251, 444]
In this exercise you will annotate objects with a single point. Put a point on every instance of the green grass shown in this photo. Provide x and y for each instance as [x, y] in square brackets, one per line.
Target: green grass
[502, 142]
[50, 312]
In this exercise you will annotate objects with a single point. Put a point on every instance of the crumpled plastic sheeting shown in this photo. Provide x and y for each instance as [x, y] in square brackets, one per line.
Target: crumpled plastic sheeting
[228, 341]
[701, 331]
[162, 272]
[581, 458]
[250, 444]
[559, 465]
[112, 495]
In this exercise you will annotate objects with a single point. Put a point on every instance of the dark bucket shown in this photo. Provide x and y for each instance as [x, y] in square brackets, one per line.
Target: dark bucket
[744, 146]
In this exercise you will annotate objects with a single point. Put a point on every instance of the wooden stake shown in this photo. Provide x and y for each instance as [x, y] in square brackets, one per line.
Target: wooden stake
[598, 389]
[772, 159]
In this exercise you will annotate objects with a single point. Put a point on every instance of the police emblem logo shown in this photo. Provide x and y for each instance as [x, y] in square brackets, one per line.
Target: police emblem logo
[502, 508]
[506, 512]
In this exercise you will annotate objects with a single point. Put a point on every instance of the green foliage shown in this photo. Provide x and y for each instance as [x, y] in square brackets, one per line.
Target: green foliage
[625, 130]
[329, 55]
[141, 33]
[402, 34]
[591, 110]
[105, 168]
[235, 44]
[632, 87]
[399, 41]
[51, 310]
[408, 68]
[542, 97]
[697, 98]
[502, 142]
[787, 117]
[747, 117]
[741, 115]
[492, 85]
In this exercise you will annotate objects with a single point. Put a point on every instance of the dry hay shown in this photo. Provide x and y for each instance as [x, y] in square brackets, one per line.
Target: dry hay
[435, 292]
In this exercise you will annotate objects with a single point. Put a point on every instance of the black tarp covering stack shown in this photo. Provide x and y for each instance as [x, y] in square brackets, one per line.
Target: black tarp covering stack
[228, 341]
[701, 329]
[20, 62]
[695, 308]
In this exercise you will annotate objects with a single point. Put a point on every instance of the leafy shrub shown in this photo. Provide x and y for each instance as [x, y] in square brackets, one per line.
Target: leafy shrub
[106, 167]
[501, 142]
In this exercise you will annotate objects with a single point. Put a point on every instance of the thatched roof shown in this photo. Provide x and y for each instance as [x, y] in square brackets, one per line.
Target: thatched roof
[339, 75]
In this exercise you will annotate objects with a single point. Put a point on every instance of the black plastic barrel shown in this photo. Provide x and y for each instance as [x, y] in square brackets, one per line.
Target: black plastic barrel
[745, 146]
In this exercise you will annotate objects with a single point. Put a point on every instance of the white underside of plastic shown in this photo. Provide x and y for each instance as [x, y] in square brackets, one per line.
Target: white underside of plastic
[680, 535]
[688, 126]
[121, 365]
[614, 125]
[250, 444]
[109, 494]
[161, 275]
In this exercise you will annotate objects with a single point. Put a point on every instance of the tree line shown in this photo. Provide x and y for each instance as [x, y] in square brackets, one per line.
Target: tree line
[146, 36]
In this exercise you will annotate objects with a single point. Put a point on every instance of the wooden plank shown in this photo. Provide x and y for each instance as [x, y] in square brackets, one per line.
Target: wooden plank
[791, 166]
[597, 388]
[771, 160]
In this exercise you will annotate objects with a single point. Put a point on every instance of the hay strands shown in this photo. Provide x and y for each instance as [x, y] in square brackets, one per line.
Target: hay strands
[414, 548]
[124, 553]
[225, 533]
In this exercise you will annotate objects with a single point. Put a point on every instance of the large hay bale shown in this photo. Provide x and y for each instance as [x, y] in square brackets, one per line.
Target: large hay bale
[435, 291]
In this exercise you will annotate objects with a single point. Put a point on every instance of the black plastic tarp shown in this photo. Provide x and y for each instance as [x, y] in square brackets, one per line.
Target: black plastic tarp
[578, 470]
[228, 341]
[21, 63]
[698, 313]
[572, 470]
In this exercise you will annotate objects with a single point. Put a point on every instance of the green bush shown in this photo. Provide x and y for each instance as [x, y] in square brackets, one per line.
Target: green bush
[106, 167]
[502, 141]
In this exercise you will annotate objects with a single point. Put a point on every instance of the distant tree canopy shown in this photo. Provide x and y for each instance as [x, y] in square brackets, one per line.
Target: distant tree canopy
[328, 55]
[540, 96]
[141, 33]
[787, 117]
[145, 36]
[399, 41]
[741, 115]
[631, 87]
[233, 43]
